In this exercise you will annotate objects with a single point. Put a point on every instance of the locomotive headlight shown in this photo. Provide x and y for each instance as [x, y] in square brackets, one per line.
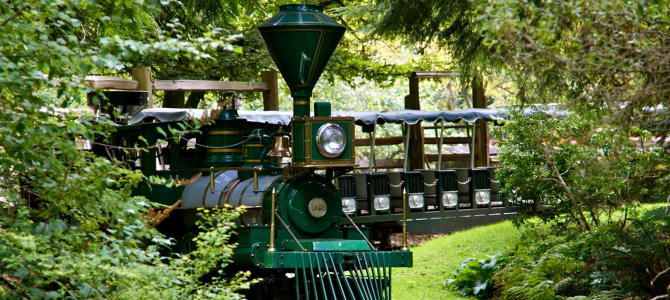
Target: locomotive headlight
[317, 207]
[482, 197]
[415, 200]
[348, 205]
[382, 202]
[449, 199]
[330, 140]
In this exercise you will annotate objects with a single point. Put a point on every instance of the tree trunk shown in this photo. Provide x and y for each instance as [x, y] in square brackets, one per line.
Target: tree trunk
[173, 99]
[194, 99]
[482, 132]
[416, 145]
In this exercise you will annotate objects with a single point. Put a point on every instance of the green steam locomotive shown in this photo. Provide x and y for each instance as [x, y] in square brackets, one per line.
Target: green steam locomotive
[294, 212]
[312, 228]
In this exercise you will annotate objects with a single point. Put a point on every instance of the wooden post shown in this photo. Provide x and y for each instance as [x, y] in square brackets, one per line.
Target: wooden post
[143, 77]
[416, 147]
[271, 97]
[414, 89]
[482, 131]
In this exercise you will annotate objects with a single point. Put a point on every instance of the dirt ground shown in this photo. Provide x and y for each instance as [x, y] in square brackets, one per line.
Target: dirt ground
[412, 240]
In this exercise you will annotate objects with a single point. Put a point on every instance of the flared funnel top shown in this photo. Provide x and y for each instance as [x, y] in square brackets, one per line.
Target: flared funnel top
[301, 39]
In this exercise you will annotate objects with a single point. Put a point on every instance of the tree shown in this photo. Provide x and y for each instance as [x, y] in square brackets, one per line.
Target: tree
[69, 225]
[451, 25]
[603, 61]
[356, 56]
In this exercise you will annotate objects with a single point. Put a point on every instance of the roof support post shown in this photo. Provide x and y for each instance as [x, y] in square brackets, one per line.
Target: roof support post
[439, 146]
[416, 147]
[372, 150]
[473, 147]
[407, 135]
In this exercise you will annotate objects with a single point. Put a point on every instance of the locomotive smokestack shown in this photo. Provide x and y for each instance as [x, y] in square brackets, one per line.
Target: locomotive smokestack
[301, 39]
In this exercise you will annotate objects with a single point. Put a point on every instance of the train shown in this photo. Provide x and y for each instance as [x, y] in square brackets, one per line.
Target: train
[312, 228]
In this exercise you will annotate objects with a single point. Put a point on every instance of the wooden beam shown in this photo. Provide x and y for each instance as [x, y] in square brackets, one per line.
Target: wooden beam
[381, 164]
[450, 157]
[271, 96]
[482, 156]
[209, 85]
[398, 163]
[434, 74]
[413, 92]
[108, 82]
[447, 140]
[143, 78]
[416, 147]
[397, 140]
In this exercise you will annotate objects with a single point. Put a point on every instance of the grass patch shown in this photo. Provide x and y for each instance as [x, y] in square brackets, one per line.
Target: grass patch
[435, 261]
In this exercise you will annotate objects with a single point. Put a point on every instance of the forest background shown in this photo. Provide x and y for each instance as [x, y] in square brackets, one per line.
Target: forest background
[606, 62]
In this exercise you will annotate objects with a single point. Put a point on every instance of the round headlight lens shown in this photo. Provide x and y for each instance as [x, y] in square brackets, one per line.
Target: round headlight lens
[348, 205]
[382, 202]
[415, 201]
[482, 197]
[330, 140]
[449, 199]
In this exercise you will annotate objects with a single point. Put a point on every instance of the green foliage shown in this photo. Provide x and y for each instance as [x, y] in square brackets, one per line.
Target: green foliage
[455, 26]
[70, 226]
[525, 278]
[597, 55]
[473, 276]
[611, 261]
[601, 61]
[436, 260]
[577, 168]
[203, 267]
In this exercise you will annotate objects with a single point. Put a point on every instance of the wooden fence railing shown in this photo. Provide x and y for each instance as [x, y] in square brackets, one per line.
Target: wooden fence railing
[142, 81]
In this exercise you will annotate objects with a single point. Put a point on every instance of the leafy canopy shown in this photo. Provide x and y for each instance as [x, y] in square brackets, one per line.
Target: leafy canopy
[69, 224]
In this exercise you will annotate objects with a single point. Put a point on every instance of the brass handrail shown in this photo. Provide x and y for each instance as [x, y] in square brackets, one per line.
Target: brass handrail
[272, 224]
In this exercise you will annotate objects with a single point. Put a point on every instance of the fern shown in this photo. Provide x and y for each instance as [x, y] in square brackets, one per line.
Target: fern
[524, 278]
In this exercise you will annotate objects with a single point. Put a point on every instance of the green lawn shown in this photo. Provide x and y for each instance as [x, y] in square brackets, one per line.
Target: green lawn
[435, 261]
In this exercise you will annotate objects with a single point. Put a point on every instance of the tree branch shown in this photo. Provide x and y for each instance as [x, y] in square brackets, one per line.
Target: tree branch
[659, 275]
[569, 193]
[18, 12]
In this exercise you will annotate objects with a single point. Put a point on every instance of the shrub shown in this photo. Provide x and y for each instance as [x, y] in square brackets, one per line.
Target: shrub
[526, 278]
[473, 276]
[611, 261]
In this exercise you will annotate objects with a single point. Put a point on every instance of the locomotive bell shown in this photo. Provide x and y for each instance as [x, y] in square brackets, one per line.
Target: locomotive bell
[280, 147]
[301, 39]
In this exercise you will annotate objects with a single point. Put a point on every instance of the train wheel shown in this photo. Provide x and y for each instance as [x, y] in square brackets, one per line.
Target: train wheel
[186, 244]
[274, 288]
